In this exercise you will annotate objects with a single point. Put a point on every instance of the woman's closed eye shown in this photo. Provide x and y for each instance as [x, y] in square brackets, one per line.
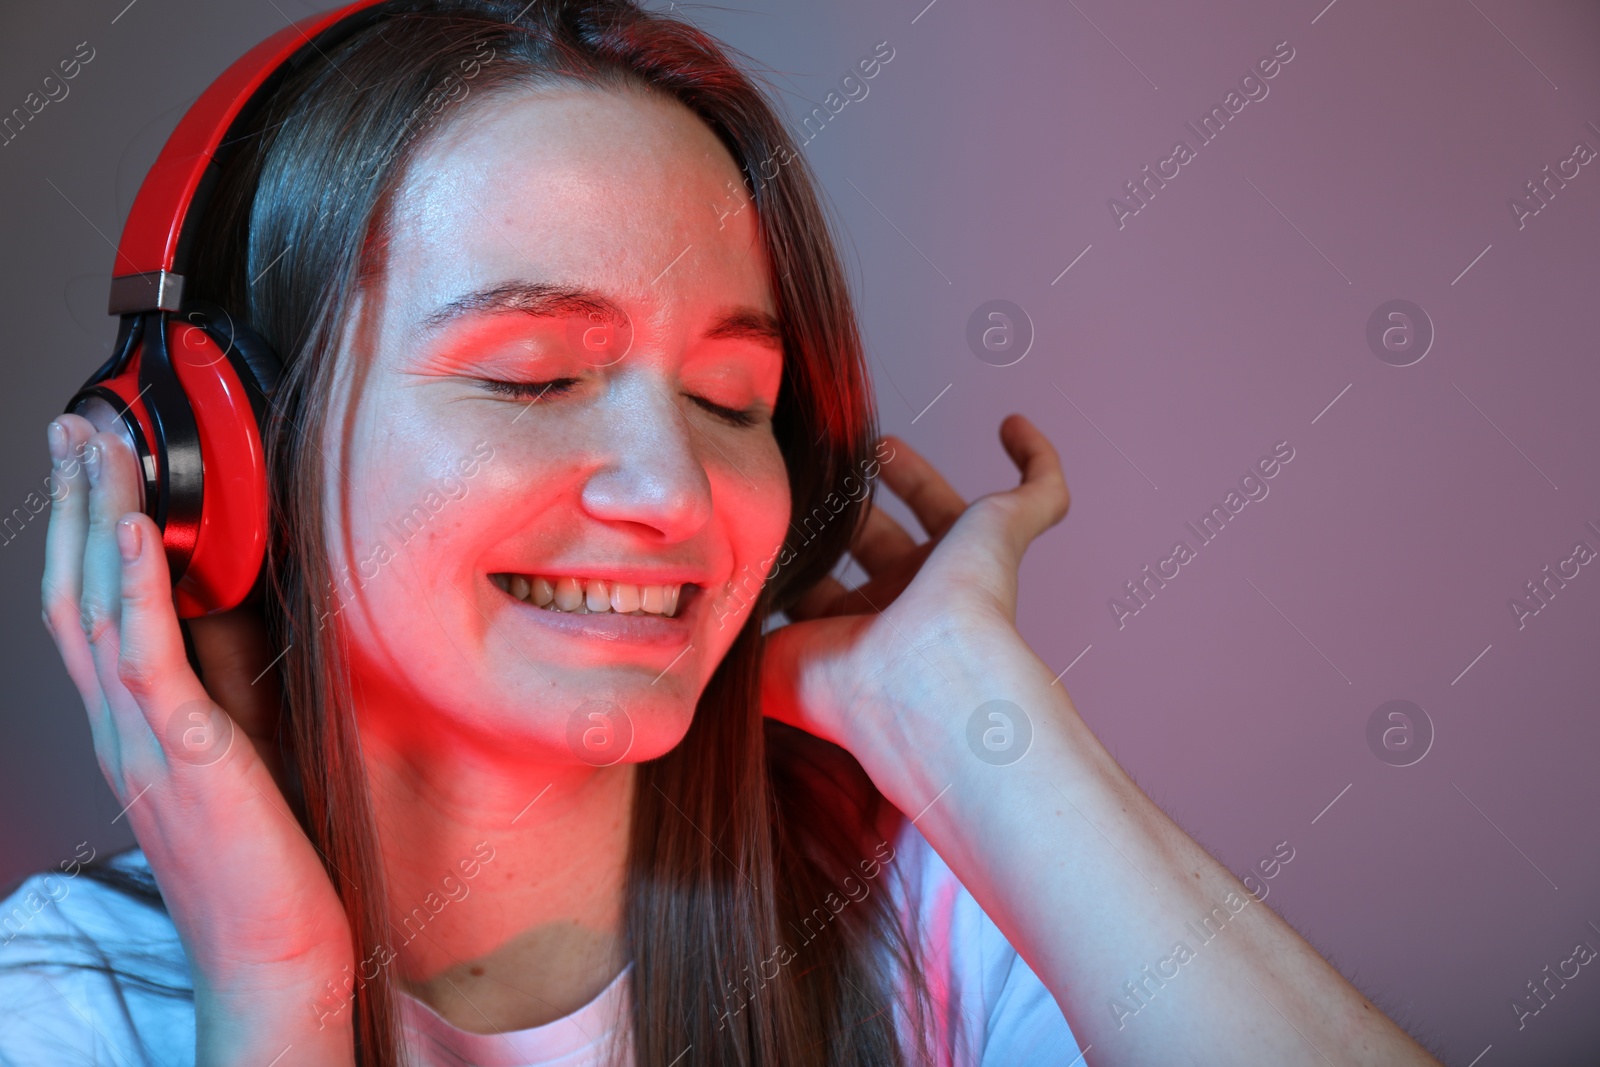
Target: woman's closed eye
[543, 392]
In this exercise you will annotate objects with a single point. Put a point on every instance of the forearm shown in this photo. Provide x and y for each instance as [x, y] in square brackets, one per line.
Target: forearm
[1098, 889]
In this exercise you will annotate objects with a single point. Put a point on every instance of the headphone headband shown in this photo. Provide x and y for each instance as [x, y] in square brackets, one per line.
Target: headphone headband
[148, 275]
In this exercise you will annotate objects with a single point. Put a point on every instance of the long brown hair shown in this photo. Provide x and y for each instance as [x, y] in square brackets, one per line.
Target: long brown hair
[742, 832]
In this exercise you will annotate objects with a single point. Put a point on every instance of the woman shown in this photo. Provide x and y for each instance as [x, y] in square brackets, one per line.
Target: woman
[575, 401]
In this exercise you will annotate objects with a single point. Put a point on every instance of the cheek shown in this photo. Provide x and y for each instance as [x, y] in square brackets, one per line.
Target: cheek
[751, 500]
[756, 511]
[403, 520]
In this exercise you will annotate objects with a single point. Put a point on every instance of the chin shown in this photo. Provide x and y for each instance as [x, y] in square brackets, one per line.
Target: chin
[626, 727]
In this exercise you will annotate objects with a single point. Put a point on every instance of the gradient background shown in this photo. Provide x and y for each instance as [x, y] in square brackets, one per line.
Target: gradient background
[1227, 316]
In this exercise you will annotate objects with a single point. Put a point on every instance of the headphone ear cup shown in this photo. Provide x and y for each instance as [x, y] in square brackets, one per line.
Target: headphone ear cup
[228, 376]
[253, 359]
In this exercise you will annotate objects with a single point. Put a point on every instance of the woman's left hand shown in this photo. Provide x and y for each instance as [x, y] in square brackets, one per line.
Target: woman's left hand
[889, 670]
[852, 661]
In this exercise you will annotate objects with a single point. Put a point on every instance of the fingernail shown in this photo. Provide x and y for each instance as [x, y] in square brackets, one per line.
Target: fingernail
[56, 435]
[129, 540]
[92, 461]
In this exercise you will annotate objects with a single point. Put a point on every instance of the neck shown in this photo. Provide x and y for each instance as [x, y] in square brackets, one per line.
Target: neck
[505, 875]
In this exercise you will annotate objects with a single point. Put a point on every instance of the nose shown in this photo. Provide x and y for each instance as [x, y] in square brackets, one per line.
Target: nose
[653, 475]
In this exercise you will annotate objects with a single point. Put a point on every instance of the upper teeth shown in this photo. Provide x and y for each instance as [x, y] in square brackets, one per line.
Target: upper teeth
[584, 596]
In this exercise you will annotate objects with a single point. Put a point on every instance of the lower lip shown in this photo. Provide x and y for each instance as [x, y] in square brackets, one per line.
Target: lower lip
[666, 630]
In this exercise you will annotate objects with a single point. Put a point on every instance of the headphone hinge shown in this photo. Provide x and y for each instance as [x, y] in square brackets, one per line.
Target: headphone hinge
[159, 290]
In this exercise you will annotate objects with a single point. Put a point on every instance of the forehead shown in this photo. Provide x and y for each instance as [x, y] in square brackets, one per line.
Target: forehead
[627, 191]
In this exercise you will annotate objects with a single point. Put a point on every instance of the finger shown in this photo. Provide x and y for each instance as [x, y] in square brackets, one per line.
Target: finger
[880, 542]
[875, 594]
[111, 467]
[916, 481]
[1043, 498]
[814, 601]
[65, 535]
[152, 665]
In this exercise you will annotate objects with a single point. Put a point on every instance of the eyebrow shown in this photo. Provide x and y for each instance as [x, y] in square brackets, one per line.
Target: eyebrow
[554, 300]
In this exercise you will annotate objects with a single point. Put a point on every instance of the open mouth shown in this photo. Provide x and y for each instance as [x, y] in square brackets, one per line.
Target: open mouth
[570, 595]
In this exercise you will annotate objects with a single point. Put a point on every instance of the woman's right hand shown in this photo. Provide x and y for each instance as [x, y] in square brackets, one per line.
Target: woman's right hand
[260, 920]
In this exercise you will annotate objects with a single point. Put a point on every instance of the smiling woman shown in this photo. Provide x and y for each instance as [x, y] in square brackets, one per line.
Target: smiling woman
[557, 672]
[661, 388]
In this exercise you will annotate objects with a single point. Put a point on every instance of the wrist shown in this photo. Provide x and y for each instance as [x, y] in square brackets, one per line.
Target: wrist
[253, 1019]
[973, 698]
[229, 1034]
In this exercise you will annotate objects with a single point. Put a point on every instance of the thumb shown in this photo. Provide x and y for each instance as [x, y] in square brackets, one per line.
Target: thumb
[1042, 498]
[235, 655]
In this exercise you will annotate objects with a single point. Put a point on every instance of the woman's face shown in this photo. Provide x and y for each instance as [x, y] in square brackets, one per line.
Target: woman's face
[592, 240]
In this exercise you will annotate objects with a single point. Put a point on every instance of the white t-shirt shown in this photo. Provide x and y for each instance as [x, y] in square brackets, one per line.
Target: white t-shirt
[989, 1009]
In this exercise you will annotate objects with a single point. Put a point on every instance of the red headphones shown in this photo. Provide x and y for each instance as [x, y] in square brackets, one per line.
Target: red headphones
[188, 385]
